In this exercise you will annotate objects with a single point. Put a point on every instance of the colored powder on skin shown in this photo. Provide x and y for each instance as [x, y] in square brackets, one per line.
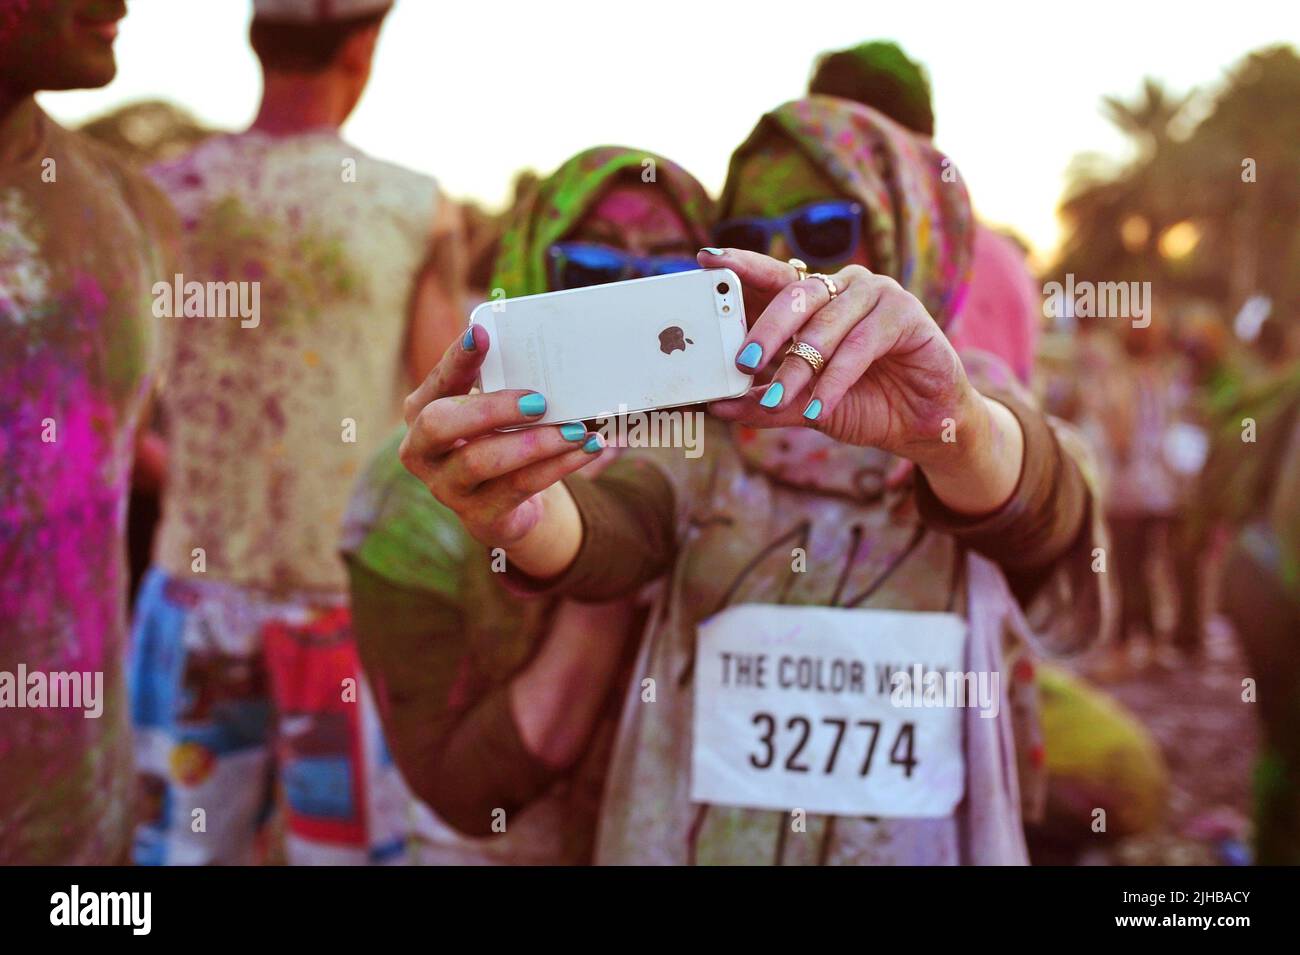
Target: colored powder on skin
[77, 342]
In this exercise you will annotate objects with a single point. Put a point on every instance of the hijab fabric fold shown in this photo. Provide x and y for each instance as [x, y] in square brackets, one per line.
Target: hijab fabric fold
[918, 221]
[557, 205]
[919, 229]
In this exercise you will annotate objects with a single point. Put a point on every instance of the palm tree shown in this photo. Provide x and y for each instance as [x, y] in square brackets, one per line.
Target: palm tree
[1236, 176]
[1103, 195]
[1150, 120]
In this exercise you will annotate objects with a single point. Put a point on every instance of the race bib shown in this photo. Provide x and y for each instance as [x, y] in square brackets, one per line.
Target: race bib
[801, 708]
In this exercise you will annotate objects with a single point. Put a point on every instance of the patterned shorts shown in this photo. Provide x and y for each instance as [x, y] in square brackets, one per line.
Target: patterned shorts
[241, 702]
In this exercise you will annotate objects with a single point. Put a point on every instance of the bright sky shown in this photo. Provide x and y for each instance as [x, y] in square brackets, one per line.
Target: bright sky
[473, 91]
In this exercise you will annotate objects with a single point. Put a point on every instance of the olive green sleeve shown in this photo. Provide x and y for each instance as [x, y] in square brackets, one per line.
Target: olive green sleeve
[628, 534]
[454, 739]
[1039, 523]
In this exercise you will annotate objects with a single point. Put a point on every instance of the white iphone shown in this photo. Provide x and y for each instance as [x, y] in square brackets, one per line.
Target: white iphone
[604, 350]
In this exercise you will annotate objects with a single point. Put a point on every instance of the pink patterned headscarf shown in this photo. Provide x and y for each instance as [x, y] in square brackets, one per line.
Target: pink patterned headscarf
[917, 214]
[919, 231]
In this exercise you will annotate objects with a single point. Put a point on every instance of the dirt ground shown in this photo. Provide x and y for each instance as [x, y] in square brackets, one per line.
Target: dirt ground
[1208, 736]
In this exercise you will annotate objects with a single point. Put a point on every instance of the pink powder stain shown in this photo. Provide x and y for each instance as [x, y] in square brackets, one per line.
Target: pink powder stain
[65, 516]
[64, 508]
[90, 294]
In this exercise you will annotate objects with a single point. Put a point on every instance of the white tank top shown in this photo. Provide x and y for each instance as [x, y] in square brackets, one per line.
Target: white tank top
[271, 415]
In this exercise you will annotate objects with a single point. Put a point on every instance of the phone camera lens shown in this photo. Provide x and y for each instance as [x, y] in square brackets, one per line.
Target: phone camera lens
[723, 288]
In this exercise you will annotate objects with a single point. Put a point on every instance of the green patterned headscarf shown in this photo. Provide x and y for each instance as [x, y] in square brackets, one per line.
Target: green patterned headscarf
[560, 201]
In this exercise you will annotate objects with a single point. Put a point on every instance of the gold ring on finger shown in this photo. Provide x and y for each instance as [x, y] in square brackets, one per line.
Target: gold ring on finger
[809, 354]
[800, 267]
[828, 282]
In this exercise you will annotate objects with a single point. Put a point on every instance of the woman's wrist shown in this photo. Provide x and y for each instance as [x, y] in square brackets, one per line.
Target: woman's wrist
[552, 544]
[975, 467]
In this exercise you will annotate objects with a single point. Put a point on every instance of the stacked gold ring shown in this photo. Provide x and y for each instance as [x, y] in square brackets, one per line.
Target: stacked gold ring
[809, 354]
[828, 282]
[802, 349]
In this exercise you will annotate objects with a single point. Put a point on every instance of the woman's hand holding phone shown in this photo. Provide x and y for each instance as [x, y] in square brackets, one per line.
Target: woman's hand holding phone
[891, 378]
[503, 485]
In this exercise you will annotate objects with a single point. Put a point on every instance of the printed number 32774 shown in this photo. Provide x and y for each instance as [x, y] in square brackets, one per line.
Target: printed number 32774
[799, 729]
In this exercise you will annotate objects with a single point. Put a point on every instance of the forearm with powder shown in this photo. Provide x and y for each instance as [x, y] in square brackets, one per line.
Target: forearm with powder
[624, 532]
[454, 740]
[510, 747]
[558, 697]
[624, 520]
[468, 749]
[1039, 524]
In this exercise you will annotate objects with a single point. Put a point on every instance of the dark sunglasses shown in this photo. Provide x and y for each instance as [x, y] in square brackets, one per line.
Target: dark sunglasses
[823, 234]
[579, 264]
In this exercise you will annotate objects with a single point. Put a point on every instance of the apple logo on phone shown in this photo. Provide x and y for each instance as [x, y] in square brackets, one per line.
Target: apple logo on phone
[672, 339]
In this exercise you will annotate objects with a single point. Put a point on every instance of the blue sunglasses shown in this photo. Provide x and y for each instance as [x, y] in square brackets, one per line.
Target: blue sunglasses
[579, 264]
[823, 234]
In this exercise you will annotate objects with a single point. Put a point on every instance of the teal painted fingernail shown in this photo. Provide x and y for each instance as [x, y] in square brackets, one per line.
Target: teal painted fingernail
[750, 356]
[467, 342]
[712, 251]
[593, 444]
[813, 410]
[572, 431]
[532, 405]
[772, 397]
